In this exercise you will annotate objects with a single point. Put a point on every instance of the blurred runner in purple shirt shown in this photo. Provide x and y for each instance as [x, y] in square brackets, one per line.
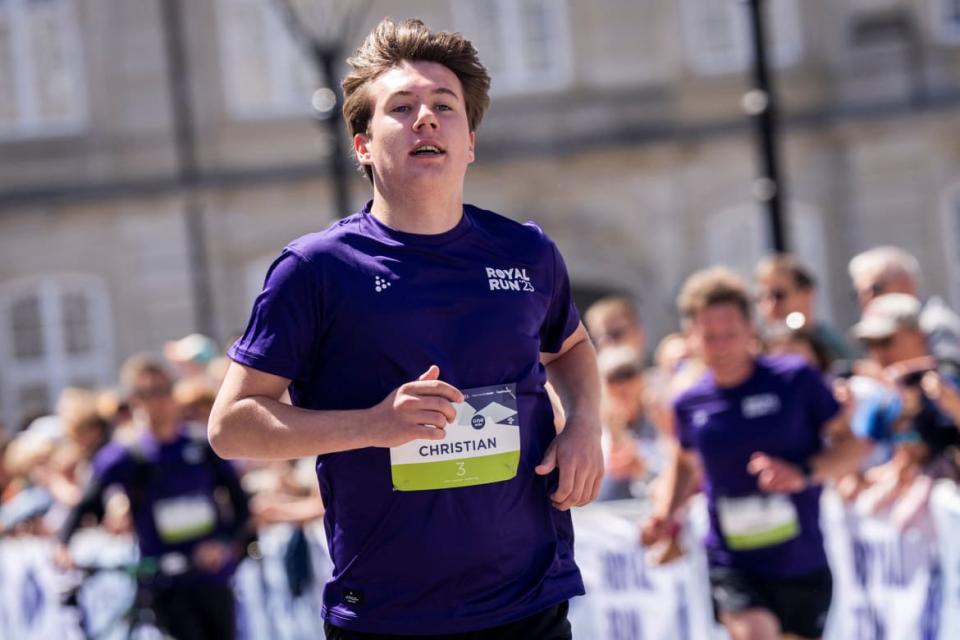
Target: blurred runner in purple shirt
[756, 426]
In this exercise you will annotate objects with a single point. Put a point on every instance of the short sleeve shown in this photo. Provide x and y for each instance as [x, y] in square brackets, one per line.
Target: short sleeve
[817, 397]
[562, 317]
[684, 429]
[284, 326]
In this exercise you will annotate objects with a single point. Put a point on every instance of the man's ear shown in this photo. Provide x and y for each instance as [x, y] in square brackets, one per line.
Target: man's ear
[361, 147]
[473, 140]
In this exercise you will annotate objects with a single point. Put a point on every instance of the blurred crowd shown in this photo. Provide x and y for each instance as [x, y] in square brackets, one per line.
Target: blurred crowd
[896, 373]
[46, 465]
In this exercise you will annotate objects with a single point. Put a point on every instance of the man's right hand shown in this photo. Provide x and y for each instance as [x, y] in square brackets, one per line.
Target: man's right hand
[62, 558]
[656, 529]
[415, 410]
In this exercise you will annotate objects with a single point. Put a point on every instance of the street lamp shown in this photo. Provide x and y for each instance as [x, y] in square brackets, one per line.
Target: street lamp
[322, 28]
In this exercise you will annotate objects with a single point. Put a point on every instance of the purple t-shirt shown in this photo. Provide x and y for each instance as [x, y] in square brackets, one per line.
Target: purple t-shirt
[351, 313]
[779, 410]
[171, 486]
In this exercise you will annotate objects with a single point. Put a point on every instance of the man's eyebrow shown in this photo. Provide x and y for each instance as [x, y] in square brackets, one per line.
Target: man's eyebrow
[440, 90]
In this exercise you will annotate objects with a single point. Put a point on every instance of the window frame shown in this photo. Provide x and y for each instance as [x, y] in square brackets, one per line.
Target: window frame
[520, 80]
[946, 33]
[55, 368]
[282, 105]
[738, 59]
[28, 125]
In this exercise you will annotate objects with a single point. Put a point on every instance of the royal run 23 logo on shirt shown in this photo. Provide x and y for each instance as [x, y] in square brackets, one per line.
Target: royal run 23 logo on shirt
[515, 279]
[481, 446]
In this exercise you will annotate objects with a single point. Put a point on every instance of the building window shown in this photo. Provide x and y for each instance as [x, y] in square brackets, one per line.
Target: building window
[55, 333]
[525, 44]
[946, 20]
[717, 34]
[266, 73]
[41, 71]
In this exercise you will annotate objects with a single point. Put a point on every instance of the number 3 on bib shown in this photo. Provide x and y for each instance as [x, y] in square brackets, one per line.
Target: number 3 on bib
[461, 471]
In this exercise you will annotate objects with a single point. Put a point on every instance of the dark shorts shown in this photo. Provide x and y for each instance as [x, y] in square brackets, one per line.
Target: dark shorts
[800, 603]
[550, 624]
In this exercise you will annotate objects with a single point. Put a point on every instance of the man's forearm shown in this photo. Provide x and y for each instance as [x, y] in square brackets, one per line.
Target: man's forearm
[266, 429]
[843, 457]
[576, 380]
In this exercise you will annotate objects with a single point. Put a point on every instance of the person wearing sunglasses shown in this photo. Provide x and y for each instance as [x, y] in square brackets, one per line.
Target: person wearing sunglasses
[888, 269]
[614, 321]
[786, 295]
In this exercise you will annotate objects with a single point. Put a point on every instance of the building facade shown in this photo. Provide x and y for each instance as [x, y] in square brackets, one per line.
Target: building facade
[618, 125]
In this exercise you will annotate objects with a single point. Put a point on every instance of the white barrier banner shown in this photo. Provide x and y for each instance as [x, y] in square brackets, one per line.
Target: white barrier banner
[627, 598]
[946, 516]
[887, 582]
[888, 585]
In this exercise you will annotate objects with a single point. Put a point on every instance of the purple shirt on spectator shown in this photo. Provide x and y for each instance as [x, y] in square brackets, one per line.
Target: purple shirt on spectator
[779, 410]
[350, 314]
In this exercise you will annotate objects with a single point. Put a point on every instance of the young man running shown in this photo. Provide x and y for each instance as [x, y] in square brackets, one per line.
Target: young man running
[757, 424]
[415, 338]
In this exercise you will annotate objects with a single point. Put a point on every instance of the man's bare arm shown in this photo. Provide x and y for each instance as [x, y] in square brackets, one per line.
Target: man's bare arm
[249, 421]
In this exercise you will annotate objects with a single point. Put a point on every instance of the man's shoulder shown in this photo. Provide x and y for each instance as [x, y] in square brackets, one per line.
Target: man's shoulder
[701, 389]
[785, 366]
[507, 229]
[312, 247]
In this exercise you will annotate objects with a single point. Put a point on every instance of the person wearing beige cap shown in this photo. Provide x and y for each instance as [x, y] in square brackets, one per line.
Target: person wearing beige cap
[891, 332]
[885, 270]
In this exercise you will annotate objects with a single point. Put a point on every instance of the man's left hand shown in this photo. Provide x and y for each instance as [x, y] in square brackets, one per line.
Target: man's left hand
[210, 556]
[576, 453]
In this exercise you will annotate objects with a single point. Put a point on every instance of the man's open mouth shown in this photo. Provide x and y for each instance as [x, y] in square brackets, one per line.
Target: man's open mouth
[427, 150]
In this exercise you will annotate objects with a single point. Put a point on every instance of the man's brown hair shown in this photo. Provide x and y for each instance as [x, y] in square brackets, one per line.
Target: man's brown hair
[710, 287]
[788, 265]
[389, 44]
[140, 365]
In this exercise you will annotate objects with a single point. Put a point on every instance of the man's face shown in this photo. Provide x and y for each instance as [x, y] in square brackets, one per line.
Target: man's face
[901, 346]
[152, 395]
[873, 284]
[778, 296]
[418, 135]
[617, 330]
[722, 335]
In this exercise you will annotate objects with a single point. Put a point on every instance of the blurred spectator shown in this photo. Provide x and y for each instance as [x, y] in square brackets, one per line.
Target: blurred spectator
[888, 269]
[781, 339]
[891, 331]
[613, 322]
[629, 440]
[194, 396]
[786, 294]
[191, 355]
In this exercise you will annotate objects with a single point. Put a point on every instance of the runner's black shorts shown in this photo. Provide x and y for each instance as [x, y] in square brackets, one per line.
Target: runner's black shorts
[800, 603]
[550, 624]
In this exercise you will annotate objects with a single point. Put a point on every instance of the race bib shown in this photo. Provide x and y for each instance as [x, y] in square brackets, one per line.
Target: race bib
[482, 445]
[757, 521]
[184, 518]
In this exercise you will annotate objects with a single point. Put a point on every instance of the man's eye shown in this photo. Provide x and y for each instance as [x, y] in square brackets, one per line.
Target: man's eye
[444, 107]
[400, 108]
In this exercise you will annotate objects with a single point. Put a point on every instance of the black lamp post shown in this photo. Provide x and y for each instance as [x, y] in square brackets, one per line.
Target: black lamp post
[760, 103]
[322, 28]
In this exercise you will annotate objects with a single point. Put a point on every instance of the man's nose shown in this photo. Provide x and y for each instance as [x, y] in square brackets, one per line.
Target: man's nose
[425, 117]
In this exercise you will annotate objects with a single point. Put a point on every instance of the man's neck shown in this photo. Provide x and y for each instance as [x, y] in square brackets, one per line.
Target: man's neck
[163, 433]
[733, 373]
[422, 213]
